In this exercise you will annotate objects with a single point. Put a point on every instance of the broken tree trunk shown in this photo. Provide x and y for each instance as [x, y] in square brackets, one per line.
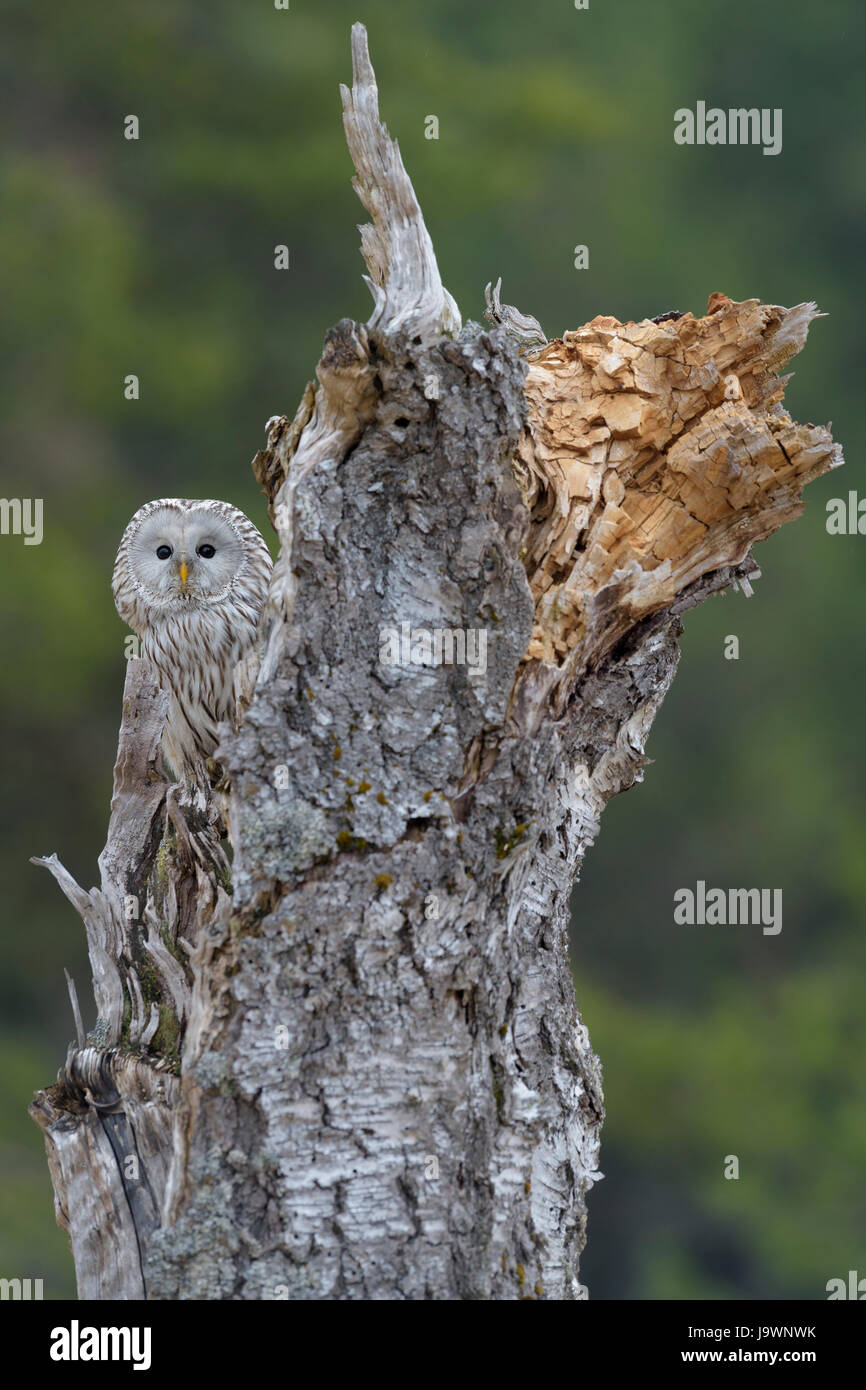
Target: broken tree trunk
[358, 1071]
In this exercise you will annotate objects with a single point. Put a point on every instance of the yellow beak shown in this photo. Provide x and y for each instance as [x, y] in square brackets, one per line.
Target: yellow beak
[183, 571]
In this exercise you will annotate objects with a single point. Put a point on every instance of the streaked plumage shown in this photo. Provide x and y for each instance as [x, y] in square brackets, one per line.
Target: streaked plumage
[196, 612]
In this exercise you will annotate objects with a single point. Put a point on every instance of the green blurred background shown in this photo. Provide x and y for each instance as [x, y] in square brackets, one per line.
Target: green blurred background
[155, 257]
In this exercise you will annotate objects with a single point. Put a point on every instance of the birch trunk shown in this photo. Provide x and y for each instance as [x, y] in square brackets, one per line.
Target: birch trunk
[358, 1070]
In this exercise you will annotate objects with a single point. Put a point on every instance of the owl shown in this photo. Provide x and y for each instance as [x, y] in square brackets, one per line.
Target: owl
[190, 579]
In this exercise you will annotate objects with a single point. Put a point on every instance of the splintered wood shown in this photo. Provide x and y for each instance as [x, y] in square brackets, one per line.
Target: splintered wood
[656, 453]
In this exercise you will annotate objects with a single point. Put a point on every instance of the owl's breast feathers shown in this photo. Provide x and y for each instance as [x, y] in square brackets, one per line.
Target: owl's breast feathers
[194, 653]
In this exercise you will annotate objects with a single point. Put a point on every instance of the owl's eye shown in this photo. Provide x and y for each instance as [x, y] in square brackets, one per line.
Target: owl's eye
[206, 552]
[163, 552]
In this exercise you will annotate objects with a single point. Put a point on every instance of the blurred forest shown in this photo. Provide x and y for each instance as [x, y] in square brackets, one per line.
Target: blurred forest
[156, 257]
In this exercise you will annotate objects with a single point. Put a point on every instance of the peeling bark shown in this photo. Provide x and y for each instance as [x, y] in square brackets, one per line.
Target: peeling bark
[368, 1055]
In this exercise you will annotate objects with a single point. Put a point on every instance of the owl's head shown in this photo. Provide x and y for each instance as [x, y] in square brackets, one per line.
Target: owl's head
[178, 553]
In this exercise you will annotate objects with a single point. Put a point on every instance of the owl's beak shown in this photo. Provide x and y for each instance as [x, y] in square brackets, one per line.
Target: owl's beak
[183, 571]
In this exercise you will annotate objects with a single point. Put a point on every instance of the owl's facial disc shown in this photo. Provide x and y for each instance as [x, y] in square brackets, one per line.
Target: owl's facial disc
[186, 557]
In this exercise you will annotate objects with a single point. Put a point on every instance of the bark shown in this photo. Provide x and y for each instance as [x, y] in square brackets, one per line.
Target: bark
[358, 1071]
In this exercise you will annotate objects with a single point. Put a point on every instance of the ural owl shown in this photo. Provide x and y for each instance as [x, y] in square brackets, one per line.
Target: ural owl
[190, 579]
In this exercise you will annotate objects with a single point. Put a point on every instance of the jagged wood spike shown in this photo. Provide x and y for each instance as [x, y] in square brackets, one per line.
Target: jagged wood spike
[403, 274]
